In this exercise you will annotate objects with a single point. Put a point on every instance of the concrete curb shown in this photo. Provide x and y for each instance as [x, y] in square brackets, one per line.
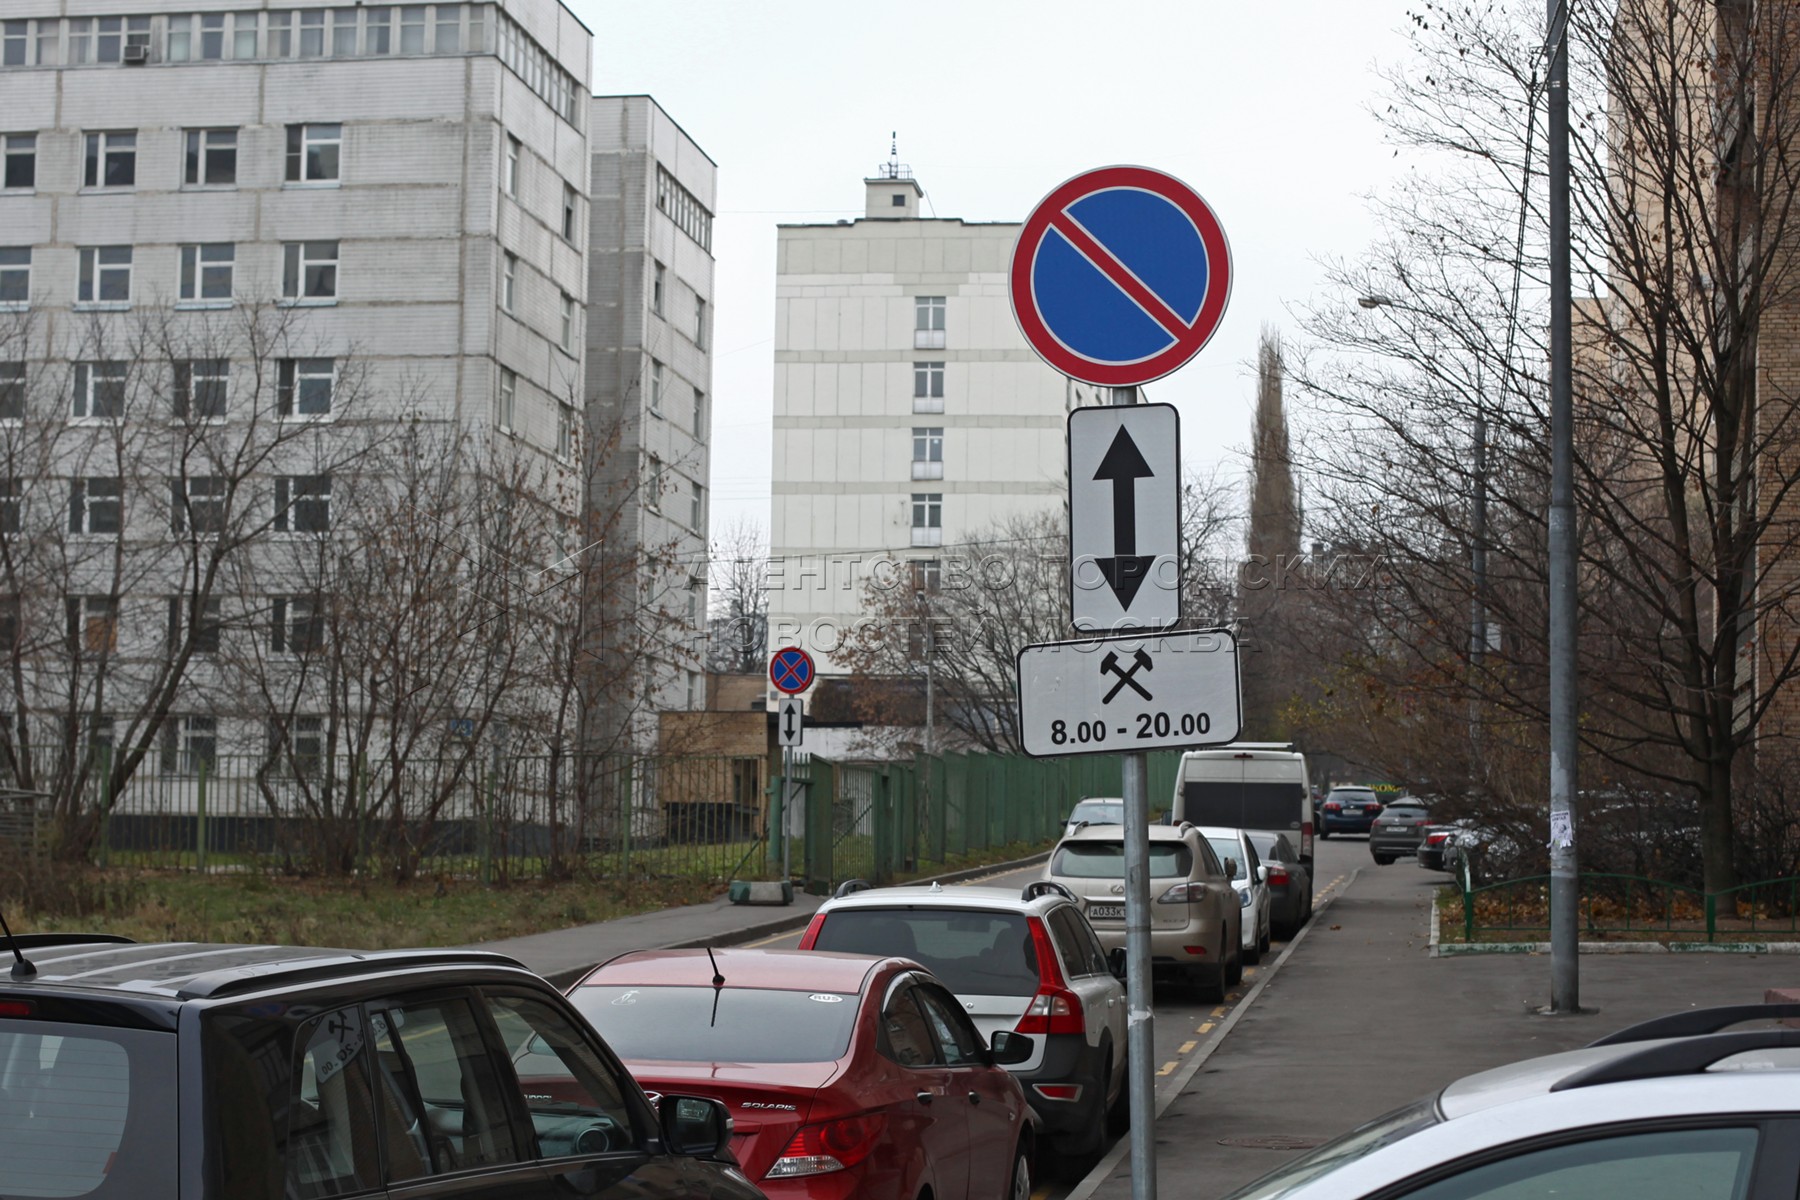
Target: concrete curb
[1090, 1183]
[789, 922]
[1460, 949]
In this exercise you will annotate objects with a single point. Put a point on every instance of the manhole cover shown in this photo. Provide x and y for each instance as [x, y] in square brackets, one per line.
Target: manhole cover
[1272, 1141]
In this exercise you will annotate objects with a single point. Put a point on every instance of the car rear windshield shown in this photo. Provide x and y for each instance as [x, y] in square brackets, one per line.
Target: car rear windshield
[727, 1024]
[1100, 812]
[1106, 860]
[973, 952]
[86, 1110]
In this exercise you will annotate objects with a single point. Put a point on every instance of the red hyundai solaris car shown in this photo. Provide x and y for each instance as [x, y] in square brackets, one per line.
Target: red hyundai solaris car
[845, 1074]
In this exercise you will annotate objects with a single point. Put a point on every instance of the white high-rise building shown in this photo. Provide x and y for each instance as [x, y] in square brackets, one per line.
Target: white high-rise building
[909, 412]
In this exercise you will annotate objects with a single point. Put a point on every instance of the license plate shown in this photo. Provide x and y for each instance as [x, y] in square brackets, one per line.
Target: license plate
[1106, 912]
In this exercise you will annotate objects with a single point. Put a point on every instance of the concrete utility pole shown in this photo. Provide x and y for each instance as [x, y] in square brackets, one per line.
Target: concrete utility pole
[1565, 981]
[1140, 1029]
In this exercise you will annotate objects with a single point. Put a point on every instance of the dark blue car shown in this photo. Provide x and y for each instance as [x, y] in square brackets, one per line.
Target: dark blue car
[1348, 810]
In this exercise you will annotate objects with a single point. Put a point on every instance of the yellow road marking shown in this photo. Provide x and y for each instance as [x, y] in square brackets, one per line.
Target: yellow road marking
[1168, 1068]
[1249, 972]
[1187, 1046]
[1218, 1012]
[776, 938]
[1234, 996]
[1206, 1028]
[1041, 1194]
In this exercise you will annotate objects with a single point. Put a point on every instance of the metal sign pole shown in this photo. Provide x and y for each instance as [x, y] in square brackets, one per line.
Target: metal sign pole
[1140, 1030]
[787, 820]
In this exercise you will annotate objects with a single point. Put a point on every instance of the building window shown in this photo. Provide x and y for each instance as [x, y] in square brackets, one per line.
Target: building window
[699, 322]
[680, 206]
[568, 323]
[378, 28]
[298, 626]
[509, 173]
[309, 270]
[509, 276]
[412, 29]
[312, 33]
[96, 504]
[15, 43]
[928, 452]
[656, 387]
[304, 386]
[197, 505]
[898, 200]
[243, 34]
[928, 322]
[568, 214]
[15, 276]
[653, 486]
[95, 40]
[301, 742]
[93, 624]
[303, 504]
[179, 46]
[206, 634]
[212, 36]
[12, 391]
[111, 159]
[566, 418]
[105, 275]
[509, 390]
[190, 745]
[312, 152]
[928, 387]
[448, 38]
[99, 391]
[20, 172]
[927, 574]
[699, 415]
[201, 385]
[281, 34]
[211, 158]
[697, 509]
[206, 271]
[656, 288]
[12, 507]
[927, 518]
[343, 32]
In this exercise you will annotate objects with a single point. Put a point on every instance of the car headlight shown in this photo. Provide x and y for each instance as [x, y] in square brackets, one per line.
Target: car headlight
[1244, 899]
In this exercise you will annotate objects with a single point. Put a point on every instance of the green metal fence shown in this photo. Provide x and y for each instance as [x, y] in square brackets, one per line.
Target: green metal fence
[1632, 907]
[499, 818]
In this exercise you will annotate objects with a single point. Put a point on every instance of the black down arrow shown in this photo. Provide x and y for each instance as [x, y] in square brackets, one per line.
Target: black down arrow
[1126, 570]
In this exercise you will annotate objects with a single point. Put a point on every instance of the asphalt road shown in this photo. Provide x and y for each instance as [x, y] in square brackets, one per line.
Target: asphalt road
[1184, 1026]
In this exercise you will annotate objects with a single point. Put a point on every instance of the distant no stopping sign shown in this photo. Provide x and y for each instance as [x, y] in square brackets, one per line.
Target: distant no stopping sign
[1120, 276]
[791, 670]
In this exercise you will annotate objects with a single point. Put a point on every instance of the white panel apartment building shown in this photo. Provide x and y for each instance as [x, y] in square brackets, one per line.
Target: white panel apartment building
[649, 387]
[909, 412]
[404, 183]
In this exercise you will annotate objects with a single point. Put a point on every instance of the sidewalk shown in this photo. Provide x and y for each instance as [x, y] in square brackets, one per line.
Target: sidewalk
[1359, 1020]
[564, 955]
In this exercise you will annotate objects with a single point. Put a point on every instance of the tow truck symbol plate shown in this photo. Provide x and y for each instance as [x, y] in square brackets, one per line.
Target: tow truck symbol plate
[1140, 661]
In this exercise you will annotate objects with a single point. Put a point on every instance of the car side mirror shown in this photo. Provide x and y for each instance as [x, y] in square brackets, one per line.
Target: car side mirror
[1115, 962]
[1262, 872]
[694, 1126]
[1010, 1048]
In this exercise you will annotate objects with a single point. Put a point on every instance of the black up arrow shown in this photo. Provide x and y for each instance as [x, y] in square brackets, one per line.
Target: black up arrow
[1126, 570]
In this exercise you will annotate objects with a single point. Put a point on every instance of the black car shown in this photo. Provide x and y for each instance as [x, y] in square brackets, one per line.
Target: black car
[1398, 830]
[1290, 883]
[188, 1071]
[1348, 810]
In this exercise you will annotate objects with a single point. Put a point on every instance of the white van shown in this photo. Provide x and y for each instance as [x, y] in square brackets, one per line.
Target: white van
[1248, 785]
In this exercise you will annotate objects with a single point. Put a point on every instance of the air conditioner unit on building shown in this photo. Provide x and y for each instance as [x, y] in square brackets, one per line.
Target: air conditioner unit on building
[137, 53]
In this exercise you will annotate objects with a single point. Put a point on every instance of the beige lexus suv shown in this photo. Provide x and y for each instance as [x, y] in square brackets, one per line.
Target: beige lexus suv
[1195, 921]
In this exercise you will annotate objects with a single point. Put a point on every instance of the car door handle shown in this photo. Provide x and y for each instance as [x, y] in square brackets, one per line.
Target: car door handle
[922, 1097]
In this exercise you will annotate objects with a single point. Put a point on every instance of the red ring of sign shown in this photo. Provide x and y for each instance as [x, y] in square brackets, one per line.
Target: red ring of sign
[1212, 306]
[785, 658]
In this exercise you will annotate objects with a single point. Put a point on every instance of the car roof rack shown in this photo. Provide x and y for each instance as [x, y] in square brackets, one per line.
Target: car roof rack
[256, 976]
[37, 941]
[1688, 1056]
[1044, 887]
[1698, 1021]
[850, 887]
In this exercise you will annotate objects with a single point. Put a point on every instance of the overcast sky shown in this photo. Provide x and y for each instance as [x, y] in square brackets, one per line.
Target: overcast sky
[1262, 106]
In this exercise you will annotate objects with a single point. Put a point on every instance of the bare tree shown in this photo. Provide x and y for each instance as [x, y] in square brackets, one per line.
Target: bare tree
[738, 635]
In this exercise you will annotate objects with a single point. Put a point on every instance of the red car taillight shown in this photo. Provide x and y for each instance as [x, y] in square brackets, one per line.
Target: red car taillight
[1371, 808]
[1332, 806]
[1055, 1009]
[1183, 893]
[16, 1008]
[1277, 877]
[830, 1146]
[813, 928]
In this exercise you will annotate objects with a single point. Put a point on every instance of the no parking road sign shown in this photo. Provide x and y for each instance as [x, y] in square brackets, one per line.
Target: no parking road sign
[1120, 276]
[791, 670]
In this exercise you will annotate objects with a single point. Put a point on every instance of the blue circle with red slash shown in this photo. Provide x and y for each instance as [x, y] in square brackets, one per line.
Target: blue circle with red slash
[1120, 276]
[791, 670]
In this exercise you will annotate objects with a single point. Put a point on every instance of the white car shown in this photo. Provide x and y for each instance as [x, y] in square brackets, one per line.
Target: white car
[1026, 961]
[1096, 810]
[1234, 848]
[1672, 1109]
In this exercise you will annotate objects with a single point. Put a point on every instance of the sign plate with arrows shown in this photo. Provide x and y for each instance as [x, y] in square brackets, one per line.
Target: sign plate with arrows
[1108, 695]
[790, 724]
[1124, 517]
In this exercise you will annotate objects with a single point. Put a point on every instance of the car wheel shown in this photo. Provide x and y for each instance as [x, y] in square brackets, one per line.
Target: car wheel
[1383, 860]
[1234, 970]
[1020, 1188]
[1262, 943]
[1118, 1113]
[1324, 835]
[1208, 982]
